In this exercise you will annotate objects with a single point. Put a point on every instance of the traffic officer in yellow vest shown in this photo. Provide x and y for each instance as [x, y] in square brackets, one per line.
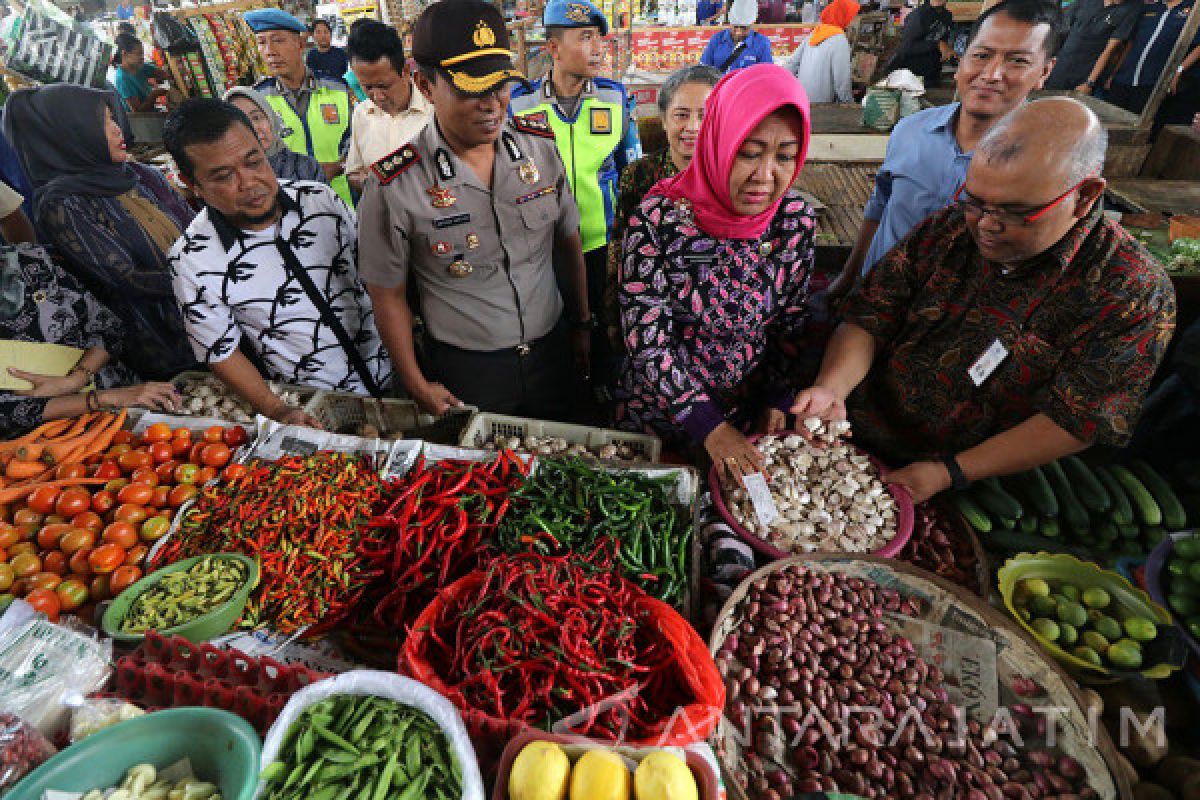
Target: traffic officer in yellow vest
[477, 213]
[315, 108]
[592, 120]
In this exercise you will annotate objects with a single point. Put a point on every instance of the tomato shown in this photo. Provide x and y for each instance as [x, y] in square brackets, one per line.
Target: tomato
[139, 494]
[72, 469]
[155, 528]
[108, 470]
[98, 589]
[161, 451]
[9, 535]
[73, 501]
[130, 512]
[195, 450]
[79, 561]
[214, 434]
[158, 432]
[103, 500]
[45, 601]
[122, 578]
[76, 539]
[89, 520]
[147, 476]
[54, 519]
[180, 447]
[26, 564]
[72, 594]
[205, 475]
[184, 473]
[22, 548]
[116, 484]
[233, 472]
[42, 499]
[134, 460]
[166, 471]
[216, 455]
[162, 497]
[181, 494]
[123, 534]
[48, 536]
[55, 562]
[123, 437]
[136, 555]
[106, 558]
[118, 450]
[26, 517]
[7, 576]
[43, 580]
[235, 436]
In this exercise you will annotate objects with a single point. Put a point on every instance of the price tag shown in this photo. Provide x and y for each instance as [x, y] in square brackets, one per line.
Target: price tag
[760, 497]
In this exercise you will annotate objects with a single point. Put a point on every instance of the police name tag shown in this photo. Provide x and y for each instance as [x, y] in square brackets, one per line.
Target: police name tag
[760, 497]
[982, 369]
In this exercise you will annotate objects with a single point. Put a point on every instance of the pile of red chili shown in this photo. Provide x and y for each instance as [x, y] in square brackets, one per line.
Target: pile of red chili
[436, 525]
[539, 639]
[303, 518]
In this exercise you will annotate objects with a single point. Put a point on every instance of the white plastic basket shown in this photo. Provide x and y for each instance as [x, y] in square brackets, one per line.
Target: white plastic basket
[485, 427]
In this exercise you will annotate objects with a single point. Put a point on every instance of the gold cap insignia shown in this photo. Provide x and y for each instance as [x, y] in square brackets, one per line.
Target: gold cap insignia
[484, 35]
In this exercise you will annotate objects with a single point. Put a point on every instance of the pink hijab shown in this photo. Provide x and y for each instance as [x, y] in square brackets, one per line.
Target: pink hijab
[742, 100]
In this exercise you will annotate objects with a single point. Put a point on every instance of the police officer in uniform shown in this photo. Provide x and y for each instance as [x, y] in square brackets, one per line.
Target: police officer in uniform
[592, 119]
[315, 108]
[476, 212]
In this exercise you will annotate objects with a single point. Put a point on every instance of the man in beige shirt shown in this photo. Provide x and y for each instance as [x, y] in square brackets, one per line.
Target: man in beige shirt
[395, 112]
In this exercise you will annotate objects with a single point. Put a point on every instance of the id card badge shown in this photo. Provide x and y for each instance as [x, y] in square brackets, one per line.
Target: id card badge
[993, 357]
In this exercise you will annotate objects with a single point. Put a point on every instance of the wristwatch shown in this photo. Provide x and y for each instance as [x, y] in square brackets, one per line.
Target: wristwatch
[958, 479]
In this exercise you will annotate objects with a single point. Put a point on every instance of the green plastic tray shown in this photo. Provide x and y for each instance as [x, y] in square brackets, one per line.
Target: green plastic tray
[201, 629]
[222, 747]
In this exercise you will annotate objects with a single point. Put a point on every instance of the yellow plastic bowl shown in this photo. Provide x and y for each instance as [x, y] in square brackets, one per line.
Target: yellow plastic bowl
[1127, 600]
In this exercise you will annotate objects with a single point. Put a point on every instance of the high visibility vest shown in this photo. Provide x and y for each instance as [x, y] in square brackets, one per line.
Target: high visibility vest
[587, 145]
[320, 133]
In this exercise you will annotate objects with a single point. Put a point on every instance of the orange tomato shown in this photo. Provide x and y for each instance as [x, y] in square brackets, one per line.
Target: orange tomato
[216, 455]
[122, 578]
[98, 589]
[162, 495]
[8, 577]
[42, 499]
[235, 436]
[182, 493]
[48, 536]
[70, 470]
[147, 476]
[54, 519]
[108, 470]
[195, 451]
[43, 580]
[89, 520]
[139, 494]
[45, 601]
[214, 434]
[233, 472]
[9, 535]
[158, 432]
[118, 450]
[22, 548]
[103, 500]
[134, 460]
[182, 433]
[73, 501]
[75, 540]
[135, 555]
[79, 561]
[106, 558]
[122, 534]
[116, 484]
[155, 528]
[205, 475]
[130, 512]
[166, 471]
[180, 447]
[72, 594]
[26, 564]
[26, 517]
[184, 473]
[123, 437]
[55, 562]
[161, 451]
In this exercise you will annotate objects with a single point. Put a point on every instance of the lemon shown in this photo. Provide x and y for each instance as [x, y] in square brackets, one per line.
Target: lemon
[664, 776]
[539, 772]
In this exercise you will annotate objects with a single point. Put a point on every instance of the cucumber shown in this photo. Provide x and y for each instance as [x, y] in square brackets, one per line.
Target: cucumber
[990, 495]
[1074, 515]
[1028, 524]
[1038, 493]
[973, 514]
[1087, 488]
[1147, 509]
[1173, 516]
[1050, 528]
[1122, 511]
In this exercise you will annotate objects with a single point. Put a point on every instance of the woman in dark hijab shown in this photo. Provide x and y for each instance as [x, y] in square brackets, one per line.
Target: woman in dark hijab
[111, 219]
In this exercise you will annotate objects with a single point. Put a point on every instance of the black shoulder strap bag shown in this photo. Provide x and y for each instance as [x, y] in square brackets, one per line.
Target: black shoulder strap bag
[737, 51]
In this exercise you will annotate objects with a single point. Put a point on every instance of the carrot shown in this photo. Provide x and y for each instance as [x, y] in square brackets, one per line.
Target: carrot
[81, 424]
[53, 428]
[14, 493]
[96, 440]
[24, 469]
[30, 451]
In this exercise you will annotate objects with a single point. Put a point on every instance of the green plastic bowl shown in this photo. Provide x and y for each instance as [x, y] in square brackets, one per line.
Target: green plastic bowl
[202, 628]
[1126, 599]
[223, 748]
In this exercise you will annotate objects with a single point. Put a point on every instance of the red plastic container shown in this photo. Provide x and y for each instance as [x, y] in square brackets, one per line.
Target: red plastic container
[707, 781]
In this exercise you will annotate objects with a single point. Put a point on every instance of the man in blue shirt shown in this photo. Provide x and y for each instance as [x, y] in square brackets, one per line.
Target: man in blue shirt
[708, 12]
[739, 45]
[1157, 31]
[1010, 54]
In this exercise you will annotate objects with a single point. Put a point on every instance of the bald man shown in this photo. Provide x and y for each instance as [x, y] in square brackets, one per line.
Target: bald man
[1014, 327]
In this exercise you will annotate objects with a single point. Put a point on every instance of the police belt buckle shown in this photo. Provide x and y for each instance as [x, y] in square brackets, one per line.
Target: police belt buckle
[523, 350]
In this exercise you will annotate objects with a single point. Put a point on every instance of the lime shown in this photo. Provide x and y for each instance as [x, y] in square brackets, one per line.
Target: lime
[1034, 587]
[1095, 641]
[1096, 597]
[1042, 606]
[1183, 604]
[1069, 591]
[1046, 628]
[1140, 629]
[1188, 547]
[1072, 613]
[1068, 634]
[1124, 655]
[1087, 654]
[1107, 627]
[1194, 572]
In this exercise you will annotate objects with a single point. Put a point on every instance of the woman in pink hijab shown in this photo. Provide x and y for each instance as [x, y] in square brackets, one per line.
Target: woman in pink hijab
[713, 288]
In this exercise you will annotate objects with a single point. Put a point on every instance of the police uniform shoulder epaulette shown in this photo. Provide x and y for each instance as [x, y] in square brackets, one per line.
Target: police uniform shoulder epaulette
[534, 124]
[394, 163]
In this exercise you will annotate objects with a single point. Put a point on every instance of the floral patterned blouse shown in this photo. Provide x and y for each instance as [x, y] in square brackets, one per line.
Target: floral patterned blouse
[1086, 325]
[56, 310]
[711, 327]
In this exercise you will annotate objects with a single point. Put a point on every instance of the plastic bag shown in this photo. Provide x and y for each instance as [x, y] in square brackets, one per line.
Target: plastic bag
[392, 687]
[22, 748]
[46, 669]
[97, 713]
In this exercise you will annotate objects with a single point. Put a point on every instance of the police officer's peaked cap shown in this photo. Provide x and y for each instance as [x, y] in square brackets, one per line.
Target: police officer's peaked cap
[467, 41]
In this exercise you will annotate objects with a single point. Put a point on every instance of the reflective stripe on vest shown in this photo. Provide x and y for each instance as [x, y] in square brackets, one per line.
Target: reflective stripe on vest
[318, 135]
[586, 146]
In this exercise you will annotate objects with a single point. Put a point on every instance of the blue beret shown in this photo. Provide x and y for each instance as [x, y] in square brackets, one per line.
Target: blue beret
[574, 14]
[272, 19]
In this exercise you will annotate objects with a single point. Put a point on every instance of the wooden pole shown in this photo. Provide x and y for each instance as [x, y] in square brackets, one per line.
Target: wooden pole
[1178, 53]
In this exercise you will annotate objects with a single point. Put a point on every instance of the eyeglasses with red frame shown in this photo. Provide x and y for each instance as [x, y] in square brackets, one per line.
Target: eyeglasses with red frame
[970, 205]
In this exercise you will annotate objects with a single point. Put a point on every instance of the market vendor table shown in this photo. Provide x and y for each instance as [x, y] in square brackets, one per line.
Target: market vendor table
[1146, 194]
